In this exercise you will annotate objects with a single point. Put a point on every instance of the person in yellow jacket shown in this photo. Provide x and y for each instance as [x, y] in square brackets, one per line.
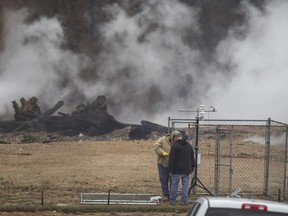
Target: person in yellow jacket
[162, 149]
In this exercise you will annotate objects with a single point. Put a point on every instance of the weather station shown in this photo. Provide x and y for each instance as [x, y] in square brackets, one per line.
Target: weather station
[200, 115]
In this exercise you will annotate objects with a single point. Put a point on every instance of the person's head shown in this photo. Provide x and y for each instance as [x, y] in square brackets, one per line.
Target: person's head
[175, 135]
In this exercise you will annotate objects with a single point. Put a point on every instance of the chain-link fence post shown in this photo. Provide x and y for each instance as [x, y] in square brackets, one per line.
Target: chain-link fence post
[217, 170]
[285, 165]
[267, 156]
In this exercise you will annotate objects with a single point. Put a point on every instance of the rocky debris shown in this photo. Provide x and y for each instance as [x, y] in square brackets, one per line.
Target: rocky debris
[46, 137]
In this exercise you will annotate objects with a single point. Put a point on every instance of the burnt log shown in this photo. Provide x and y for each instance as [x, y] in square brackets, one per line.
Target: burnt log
[90, 119]
[144, 130]
[74, 125]
[154, 127]
[87, 119]
[8, 126]
[139, 132]
[28, 110]
[45, 115]
[36, 123]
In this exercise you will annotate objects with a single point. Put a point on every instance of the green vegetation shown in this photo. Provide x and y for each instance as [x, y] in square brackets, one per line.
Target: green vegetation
[97, 208]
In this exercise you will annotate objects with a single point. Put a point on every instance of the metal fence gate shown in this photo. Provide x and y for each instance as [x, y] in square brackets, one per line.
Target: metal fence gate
[246, 154]
[223, 162]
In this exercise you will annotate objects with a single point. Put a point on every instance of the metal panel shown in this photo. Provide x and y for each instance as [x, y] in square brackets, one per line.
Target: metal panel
[119, 198]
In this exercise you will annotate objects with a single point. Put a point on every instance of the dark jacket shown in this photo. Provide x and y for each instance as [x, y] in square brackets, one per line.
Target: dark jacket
[181, 158]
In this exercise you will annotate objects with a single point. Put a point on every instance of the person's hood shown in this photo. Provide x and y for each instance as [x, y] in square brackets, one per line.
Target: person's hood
[168, 138]
[182, 142]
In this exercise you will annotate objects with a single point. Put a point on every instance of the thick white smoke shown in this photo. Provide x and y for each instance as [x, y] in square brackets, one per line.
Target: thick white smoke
[258, 87]
[34, 64]
[252, 87]
[148, 69]
[147, 64]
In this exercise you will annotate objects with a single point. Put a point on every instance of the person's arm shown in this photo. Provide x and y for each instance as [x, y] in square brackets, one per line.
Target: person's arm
[158, 148]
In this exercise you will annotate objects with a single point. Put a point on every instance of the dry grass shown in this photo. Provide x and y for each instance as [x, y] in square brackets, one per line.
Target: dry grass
[64, 169]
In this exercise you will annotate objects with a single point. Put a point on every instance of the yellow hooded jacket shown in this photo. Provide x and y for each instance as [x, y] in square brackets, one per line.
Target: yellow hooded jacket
[163, 144]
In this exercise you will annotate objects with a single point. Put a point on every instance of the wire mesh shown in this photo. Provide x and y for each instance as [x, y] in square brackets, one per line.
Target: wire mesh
[257, 162]
[223, 162]
[277, 158]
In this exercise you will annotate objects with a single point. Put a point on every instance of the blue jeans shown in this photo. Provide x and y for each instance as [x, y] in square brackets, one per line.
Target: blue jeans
[185, 188]
[164, 178]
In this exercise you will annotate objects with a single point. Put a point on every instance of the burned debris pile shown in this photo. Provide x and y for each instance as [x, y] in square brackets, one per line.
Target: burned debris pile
[89, 119]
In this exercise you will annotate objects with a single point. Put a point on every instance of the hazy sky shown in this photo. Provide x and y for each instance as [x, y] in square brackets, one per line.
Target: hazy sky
[147, 69]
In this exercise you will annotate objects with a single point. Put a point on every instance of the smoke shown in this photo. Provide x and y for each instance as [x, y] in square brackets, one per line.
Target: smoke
[150, 66]
[149, 60]
[147, 65]
[259, 65]
[33, 62]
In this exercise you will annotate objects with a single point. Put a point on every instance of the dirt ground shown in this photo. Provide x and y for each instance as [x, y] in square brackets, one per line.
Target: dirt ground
[56, 173]
[65, 169]
[88, 166]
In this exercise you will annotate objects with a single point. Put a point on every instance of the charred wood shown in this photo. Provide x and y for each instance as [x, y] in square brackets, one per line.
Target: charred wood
[91, 119]
[28, 110]
[37, 122]
[144, 130]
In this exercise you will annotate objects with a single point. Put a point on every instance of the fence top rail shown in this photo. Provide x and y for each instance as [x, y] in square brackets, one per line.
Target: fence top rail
[230, 122]
[241, 120]
[278, 123]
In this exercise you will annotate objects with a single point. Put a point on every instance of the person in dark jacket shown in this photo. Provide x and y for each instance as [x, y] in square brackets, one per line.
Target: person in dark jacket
[181, 164]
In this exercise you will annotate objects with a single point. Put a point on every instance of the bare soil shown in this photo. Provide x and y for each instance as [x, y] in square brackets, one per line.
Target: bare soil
[86, 166]
[63, 169]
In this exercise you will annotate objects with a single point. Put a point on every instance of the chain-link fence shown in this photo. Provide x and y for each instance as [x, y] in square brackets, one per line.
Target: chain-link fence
[250, 155]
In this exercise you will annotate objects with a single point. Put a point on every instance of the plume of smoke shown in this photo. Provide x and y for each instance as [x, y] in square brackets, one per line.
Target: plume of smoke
[259, 67]
[33, 62]
[148, 69]
[147, 65]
